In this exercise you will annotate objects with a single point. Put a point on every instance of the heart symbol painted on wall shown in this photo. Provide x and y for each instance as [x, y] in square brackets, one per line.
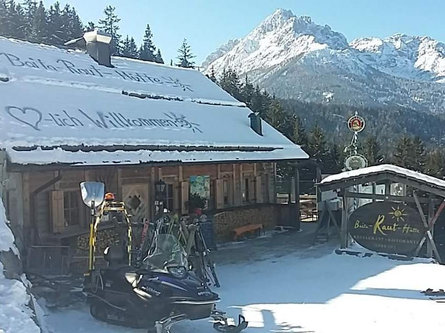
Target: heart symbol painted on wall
[26, 115]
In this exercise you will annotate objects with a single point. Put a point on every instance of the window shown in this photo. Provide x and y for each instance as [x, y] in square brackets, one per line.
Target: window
[71, 209]
[226, 192]
[249, 193]
[169, 197]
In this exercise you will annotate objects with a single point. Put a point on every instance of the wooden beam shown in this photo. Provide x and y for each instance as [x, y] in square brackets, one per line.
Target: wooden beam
[436, 216]
[417, 185]
[382, 197]
[344, 225]
[297, 197]
[319, 222]
[381, 177]
[431, 225]
[332, 217]
[430, 217]
[425, 223]
[345, 183]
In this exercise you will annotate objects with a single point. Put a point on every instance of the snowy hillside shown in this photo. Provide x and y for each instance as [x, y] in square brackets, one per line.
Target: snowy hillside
[293, 57]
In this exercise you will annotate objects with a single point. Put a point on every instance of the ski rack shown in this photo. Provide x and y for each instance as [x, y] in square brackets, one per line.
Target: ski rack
[107, 208]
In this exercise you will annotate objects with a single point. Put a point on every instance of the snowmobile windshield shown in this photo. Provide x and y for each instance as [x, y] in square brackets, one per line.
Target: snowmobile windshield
[167, 252]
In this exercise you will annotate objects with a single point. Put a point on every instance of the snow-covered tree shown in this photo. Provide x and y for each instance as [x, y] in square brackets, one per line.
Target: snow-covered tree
[147, 50]
[159, 59]
[110, 25]
[185, 56]
[129, 48]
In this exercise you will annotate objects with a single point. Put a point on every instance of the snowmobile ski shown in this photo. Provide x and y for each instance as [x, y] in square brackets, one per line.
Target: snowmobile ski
[221, 323]
[164, 325]
[432, 292]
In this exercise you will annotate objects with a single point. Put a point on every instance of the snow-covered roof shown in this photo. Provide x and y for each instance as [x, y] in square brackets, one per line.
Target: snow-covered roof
[60, 106]
[402, 173]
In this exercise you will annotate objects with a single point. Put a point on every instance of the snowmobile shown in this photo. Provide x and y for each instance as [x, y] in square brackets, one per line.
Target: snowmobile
[155, 294]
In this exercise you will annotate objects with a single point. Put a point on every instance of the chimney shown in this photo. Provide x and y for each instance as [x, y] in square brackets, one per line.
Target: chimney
[98, 46]
[255, 122]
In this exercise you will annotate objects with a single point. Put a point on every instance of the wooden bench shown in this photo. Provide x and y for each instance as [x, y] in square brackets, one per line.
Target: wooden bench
[247, 229]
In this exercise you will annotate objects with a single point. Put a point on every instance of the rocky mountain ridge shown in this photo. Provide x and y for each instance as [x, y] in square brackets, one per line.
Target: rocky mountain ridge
[293, 57]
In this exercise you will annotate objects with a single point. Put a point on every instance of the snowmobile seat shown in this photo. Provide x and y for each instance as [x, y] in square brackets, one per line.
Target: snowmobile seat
[115, 256]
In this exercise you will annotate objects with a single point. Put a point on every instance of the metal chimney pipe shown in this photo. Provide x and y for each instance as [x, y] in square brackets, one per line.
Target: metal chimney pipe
[98, 47]
[255, 123]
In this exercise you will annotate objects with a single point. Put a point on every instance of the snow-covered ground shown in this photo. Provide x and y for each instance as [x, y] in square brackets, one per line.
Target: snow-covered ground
[15, 314]
[316, 292]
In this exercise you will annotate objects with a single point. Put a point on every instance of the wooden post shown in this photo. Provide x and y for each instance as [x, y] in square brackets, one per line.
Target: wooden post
[152, 192]
[344, 225]
[429, 250]
[388, 188]
[317, 191]
[297, 197]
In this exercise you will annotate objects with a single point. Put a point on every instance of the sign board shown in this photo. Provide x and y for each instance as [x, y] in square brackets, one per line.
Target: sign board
[356, 123]
[386, 226]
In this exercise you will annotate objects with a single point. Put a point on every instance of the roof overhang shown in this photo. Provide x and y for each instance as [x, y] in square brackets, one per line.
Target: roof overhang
[382, 173]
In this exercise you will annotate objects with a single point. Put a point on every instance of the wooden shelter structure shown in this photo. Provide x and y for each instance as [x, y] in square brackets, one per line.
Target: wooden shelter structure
[386, 208]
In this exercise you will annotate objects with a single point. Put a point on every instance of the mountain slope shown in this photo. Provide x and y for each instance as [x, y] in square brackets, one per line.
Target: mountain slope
[292, 57]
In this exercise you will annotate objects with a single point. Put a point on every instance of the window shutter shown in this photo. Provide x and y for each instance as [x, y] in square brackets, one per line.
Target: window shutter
[219, 193]
[259, 190]
[57, 215]
[252, 188]
[184, 197]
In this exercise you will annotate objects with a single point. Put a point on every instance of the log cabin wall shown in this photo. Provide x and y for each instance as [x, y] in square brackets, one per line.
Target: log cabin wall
[48, 203]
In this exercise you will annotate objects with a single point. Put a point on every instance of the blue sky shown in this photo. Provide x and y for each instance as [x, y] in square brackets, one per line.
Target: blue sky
[209, 23]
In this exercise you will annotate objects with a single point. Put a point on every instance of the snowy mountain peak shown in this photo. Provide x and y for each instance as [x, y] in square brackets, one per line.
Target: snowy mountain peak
[412, 57]
[281, 37]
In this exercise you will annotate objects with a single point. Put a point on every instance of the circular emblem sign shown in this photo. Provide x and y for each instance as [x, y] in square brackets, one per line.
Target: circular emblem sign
[389, 227]
[355, 162]
[356, 123]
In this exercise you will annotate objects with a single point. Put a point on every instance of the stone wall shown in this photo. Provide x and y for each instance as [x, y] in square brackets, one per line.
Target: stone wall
[269, 215]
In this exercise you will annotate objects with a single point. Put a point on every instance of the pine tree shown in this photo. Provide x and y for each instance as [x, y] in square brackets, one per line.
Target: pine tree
[260, 102]
[230, 82]
[273, 114]
[403, 155]
[39, 28]
[299, 135]
[110, 26]
[159, 59]
[75, 25]
[435, 164]
[185, 56]
[212, 75]
[3, 17]
[371, 149]
[13, 20]
[334, 160]
[147, 50]
[317, 144]
[91, 26]
[247, 91]
[129, 48]
[56, 25]
[418, 154]
[30, 7]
